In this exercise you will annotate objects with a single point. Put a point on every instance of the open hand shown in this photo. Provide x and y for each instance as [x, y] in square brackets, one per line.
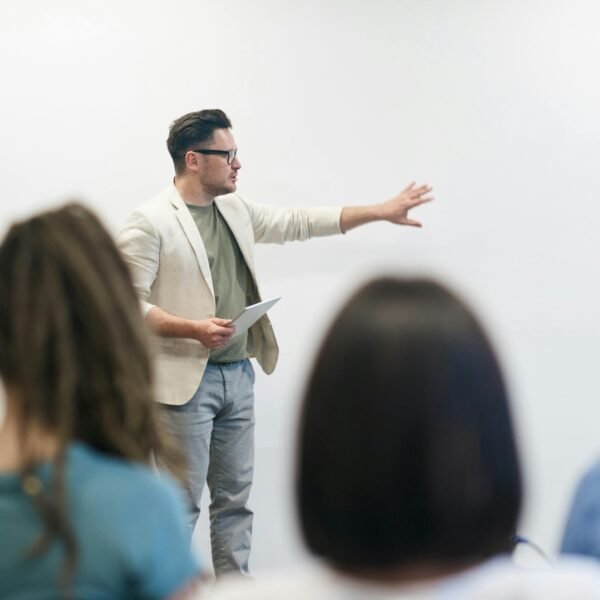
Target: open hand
[396, 209]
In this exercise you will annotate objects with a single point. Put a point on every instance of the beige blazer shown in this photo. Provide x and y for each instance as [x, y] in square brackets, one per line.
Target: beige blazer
[169, 266]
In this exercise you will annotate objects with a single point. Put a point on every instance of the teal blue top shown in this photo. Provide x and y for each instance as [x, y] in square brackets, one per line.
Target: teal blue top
[128, 523]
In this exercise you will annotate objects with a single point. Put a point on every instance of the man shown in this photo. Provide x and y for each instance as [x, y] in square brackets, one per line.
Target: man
[191, 254]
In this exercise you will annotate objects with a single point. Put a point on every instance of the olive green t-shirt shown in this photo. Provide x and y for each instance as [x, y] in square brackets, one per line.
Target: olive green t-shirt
[229, 272]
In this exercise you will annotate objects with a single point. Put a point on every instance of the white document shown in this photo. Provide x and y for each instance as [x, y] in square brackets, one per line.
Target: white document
[251, 314]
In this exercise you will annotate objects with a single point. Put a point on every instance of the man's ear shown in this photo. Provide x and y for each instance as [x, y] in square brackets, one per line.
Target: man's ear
[191, 160]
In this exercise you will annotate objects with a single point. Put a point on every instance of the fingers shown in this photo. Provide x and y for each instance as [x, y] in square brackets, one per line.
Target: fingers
[223, 333]
[420, 191]
[214, 333]
[221, 322]
[418, 201]
[219, 342]
[412, 189]
[411, 223]
[416, 194]
[220, 333]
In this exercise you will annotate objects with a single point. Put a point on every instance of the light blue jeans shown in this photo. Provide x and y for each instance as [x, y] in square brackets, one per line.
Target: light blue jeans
[216, 431]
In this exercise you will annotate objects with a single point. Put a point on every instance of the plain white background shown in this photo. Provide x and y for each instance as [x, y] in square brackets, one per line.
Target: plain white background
[495, 103]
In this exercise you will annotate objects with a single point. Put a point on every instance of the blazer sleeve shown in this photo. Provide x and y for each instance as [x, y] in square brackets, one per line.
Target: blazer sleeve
[139, 243]
[274, 224]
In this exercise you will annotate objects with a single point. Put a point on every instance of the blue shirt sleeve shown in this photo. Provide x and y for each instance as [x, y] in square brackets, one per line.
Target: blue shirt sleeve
[582, 530]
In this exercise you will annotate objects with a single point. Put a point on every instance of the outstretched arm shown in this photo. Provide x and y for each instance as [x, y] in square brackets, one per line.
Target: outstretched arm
[395, 210]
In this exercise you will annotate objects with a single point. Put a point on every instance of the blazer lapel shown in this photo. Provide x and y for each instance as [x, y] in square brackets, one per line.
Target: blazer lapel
[193, 235]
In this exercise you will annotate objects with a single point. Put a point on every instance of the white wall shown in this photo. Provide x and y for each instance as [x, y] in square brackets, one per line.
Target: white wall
[494, 103]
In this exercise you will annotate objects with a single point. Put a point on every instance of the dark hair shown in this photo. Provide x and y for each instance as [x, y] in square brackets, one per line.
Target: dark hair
[406, 448]
[192, 129]
[74, 347]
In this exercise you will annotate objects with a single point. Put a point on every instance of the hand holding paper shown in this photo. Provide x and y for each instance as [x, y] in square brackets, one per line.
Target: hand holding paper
[251, 314]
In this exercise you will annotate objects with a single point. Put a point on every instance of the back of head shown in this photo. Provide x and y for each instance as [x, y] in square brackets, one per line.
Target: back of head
[406, 448]
[72, 339]
[191, 130]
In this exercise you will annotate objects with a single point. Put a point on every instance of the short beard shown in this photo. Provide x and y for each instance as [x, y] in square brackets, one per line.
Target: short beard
[215, 191]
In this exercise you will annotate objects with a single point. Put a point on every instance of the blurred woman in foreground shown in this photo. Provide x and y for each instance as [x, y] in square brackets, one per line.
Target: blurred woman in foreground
[408, 481]
[82, 515]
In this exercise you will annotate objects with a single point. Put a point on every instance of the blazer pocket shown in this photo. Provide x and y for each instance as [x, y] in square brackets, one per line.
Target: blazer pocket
[182, 347]
[166, 342]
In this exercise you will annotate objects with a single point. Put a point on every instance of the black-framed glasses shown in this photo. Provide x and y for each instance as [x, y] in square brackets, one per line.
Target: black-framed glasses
[229, 154]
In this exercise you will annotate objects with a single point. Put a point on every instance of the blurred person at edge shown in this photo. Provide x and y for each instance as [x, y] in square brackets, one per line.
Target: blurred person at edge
[582, 529]
[408, 482]
[82, 513]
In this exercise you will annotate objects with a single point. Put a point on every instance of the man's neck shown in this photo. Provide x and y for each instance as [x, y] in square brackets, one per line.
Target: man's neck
[192, 192]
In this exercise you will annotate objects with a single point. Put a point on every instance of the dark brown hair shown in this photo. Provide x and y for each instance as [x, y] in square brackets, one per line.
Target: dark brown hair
[406, 447]
[74, 347]
[192, 129]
